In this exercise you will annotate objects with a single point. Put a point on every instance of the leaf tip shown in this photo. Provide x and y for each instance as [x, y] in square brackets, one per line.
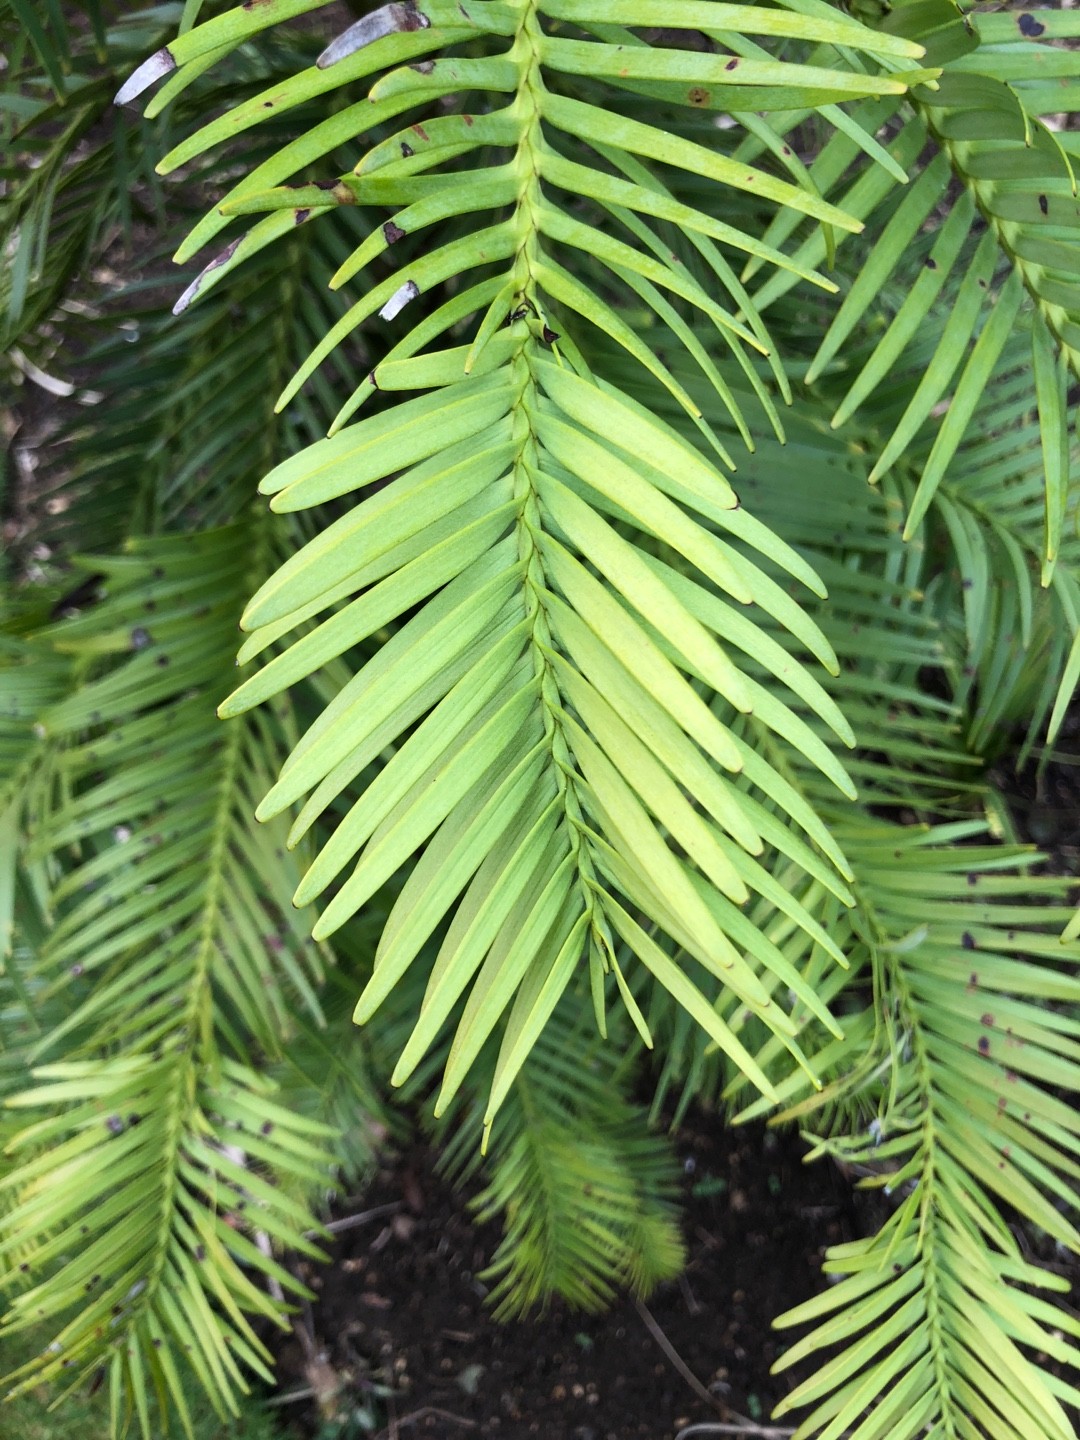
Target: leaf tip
[187, 296]
[388, 20]
[148, 73]
[322, 930]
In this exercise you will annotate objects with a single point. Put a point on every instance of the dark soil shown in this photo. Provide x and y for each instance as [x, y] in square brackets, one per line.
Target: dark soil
[402, 1330]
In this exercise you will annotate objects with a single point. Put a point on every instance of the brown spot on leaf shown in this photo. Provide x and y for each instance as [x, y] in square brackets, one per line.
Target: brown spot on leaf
[967, 940]
[1044, 205]
[698, 96]
[407, 149]
[301, 215]
[419, 130]
[392, 233]
[984, 1045]
[1029, 27]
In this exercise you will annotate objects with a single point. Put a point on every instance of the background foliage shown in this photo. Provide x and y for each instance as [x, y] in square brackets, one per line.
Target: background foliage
[695, 533]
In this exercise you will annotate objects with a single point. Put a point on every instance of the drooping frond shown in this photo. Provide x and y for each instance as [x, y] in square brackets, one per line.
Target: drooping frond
[146, 1198]
[585, 1191]
[543, 700]
[997, 122]
[958, 1088]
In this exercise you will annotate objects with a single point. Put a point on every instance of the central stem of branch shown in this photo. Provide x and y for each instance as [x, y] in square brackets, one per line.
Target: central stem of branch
[530, 315]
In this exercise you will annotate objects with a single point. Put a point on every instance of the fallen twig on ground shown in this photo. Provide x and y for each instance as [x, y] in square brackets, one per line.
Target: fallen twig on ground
[737, 1427]
[675, 1358]
[350, 1222]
